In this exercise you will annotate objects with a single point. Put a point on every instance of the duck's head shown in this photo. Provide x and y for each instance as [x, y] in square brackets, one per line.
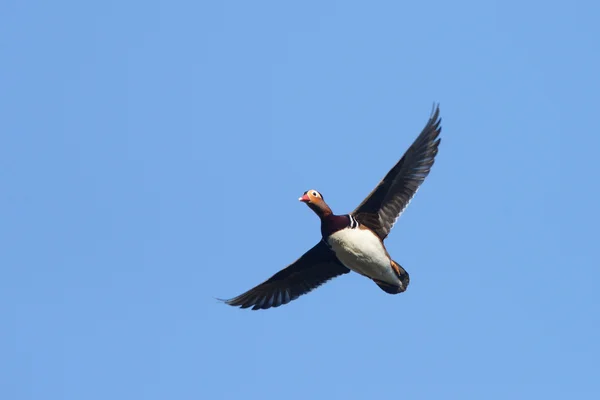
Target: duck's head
[315, 201]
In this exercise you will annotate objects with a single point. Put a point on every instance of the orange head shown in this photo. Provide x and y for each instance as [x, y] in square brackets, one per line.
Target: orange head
[315, 201]
[311, 196]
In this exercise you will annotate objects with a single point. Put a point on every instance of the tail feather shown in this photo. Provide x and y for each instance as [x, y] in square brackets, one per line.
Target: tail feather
[400, 286]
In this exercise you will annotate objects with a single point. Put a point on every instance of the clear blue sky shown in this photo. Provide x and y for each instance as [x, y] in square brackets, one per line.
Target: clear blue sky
[151, 158]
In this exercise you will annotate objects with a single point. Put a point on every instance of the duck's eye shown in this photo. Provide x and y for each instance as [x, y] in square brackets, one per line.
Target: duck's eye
[315, 194]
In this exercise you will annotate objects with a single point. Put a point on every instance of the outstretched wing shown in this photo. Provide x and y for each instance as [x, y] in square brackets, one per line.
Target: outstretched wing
[380, 210]
[315, 267]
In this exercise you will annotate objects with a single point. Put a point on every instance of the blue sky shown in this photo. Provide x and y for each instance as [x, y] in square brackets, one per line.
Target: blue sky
[151, 158]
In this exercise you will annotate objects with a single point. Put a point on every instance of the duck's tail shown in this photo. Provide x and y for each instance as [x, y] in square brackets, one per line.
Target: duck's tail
[399, 287]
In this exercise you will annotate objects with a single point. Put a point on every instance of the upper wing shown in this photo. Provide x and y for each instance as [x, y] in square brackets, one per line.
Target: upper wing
[315, 267]
[380, 210]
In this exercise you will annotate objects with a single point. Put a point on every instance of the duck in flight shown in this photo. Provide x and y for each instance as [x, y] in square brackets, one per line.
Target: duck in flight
[354, 242]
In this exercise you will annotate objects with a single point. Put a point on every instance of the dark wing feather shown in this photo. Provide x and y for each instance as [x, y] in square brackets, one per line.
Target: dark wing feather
[315, 267]
[380, 210]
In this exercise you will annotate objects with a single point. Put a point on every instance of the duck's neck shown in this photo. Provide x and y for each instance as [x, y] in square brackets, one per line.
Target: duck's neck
[321, 209]
[332, 223]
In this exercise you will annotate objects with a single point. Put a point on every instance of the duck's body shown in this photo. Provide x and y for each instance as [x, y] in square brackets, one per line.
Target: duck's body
[356, 246]
[361, 251]
[354, 242]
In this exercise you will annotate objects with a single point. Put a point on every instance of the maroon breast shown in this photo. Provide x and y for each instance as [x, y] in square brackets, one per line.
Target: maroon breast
[333, 223]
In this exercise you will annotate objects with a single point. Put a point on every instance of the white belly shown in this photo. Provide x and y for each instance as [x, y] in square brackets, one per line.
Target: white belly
[361, 251]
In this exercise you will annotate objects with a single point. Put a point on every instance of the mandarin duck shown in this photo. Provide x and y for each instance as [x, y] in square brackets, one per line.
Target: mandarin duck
[354, 241]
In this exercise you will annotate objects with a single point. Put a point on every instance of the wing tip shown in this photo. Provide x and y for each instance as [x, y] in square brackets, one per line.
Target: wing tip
[258, 302]
[435, 111]
[434, 118]
[230, 302]
[432, 129]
